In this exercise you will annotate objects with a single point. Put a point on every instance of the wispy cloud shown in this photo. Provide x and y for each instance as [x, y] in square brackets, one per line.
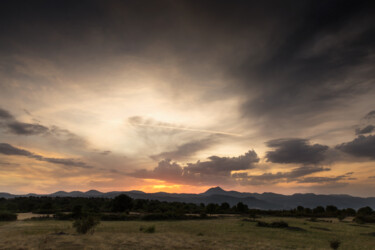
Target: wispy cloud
[8, 149]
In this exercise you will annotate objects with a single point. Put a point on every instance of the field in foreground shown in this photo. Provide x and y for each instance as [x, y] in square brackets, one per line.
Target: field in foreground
[228, 233]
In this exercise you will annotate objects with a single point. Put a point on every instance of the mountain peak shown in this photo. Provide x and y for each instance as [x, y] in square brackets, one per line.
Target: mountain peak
[215, 190]
[93, 191]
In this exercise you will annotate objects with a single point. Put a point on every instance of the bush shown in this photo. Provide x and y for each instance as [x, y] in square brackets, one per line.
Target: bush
[168, 216]
[150, 229]
[63, 216]
[85, 224]
[276, 224]
[117, 217]
[334, 244]
[7, 216]
[361, 219]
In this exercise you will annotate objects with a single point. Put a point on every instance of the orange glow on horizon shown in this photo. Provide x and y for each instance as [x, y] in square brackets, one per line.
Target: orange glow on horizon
[155, 186]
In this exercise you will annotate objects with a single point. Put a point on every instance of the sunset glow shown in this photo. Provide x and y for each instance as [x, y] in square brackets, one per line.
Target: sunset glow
[117, 97]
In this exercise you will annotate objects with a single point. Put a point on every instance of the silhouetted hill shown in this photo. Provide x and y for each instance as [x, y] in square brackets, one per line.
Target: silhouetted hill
[218, 195]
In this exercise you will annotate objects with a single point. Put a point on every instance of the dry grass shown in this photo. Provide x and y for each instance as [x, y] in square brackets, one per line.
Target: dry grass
[25, 216]
[226, 233]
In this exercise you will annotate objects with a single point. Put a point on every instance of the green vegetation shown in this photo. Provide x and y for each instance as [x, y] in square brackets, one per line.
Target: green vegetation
[7, 216]
[334, 244]
[149, 229]
[85, 224]
[124, 208]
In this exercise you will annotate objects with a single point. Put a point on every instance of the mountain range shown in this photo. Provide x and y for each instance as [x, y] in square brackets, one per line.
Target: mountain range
[218, 195]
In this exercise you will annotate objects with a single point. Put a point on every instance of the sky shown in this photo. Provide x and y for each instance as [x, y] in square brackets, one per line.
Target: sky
[181, 96]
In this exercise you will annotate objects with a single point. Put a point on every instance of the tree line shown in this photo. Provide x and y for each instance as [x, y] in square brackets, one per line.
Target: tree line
[119, 208]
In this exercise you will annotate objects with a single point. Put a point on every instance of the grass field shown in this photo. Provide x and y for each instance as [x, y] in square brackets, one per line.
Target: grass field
[226, 233]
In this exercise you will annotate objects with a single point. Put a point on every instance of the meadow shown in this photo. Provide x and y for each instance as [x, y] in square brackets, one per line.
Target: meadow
[221, 233]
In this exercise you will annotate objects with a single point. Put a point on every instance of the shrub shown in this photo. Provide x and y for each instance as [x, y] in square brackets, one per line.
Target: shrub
[85, 224]
[334, 244]
[117, 217]
[279, 224]
[341, 217]
[150, 229]
[7, 216]
[262, 224]
[361, 219]
[63, 216]
[276, 224]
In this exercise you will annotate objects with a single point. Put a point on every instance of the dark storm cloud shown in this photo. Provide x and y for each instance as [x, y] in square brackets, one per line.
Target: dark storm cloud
[362, 146]
[185, 150]
[215, 170]
[8, 149]
[366, 130]
[321, 61]
[297, 56]
[295, 151]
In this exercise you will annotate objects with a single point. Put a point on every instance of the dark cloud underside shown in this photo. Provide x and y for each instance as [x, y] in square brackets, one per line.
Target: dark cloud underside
[295, 151]
[362, 146]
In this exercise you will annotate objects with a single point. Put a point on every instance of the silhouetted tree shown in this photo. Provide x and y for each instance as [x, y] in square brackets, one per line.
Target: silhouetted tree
[242, 208]
[122, 203]
[365, 211]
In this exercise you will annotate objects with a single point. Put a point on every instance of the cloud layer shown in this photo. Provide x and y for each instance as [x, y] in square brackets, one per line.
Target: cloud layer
[295, 151]
[8, 149]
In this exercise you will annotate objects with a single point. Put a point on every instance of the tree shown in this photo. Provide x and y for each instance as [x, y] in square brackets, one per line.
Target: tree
[242, 208]
[211, 208]
[225, 206]
[319, 210]
[331, 209]
[365, 211]
[122, 203]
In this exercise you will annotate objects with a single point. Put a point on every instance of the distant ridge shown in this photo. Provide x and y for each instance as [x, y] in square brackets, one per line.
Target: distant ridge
[219, 195]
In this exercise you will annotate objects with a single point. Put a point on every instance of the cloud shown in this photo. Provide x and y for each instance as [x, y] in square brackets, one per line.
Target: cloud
[223, 165]
[215, 170]
[8, 149]
[5, 114]
[272, 178]
[366, 130]
[362, 146]
[370, 115]
[16, 127]
[186, 150]
[295, 151]
[320, 61]
[151, 123]
[21, 128]
[315, 179]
